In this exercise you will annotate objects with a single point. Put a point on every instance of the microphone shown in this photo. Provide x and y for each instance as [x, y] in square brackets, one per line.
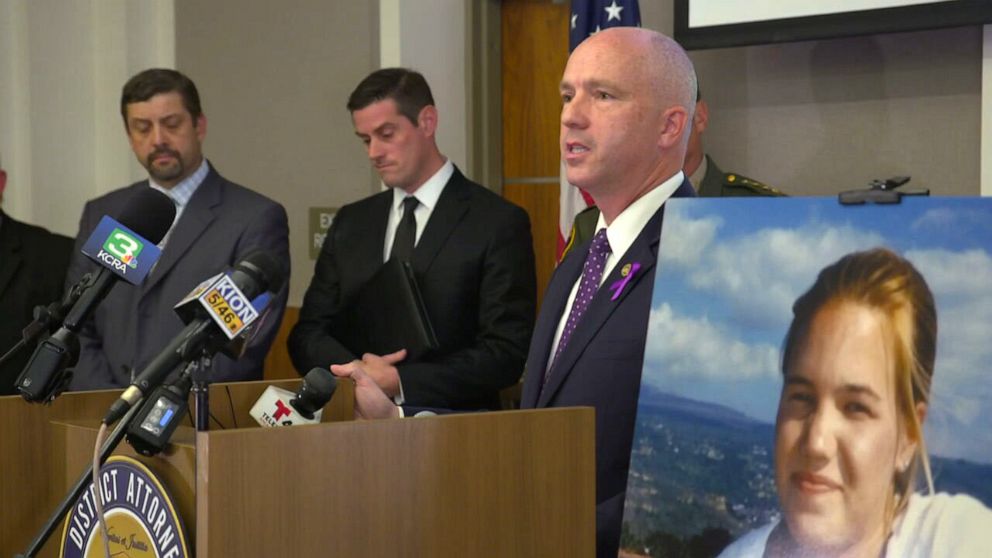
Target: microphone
[280, 407]
[223, 311]
[116, 245]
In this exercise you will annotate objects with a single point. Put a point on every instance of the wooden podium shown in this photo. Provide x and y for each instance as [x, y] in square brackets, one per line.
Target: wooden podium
[515, 483]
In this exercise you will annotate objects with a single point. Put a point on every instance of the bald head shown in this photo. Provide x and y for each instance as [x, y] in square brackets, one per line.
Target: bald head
[649, 59]
[628, 96]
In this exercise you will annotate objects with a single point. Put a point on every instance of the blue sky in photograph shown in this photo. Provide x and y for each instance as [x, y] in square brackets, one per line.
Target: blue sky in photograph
[730, 269]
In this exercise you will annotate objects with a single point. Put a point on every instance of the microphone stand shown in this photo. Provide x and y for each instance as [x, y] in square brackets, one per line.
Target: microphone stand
[81, 485]
[116, 435]
[201, 391]
[46, 316]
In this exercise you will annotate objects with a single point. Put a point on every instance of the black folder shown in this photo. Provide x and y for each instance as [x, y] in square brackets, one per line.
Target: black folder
[388, 314]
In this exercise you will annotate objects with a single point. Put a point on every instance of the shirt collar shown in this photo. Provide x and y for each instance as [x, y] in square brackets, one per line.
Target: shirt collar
[624, 229]
[181, 193]
[697, 177]
[430, 191]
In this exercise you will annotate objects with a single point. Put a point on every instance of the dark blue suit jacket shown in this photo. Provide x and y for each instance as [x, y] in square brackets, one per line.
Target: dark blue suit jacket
[601, 366]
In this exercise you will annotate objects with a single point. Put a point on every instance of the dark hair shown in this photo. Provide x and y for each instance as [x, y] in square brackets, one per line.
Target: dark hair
[884, 281]
[408, 88]
[154, 81]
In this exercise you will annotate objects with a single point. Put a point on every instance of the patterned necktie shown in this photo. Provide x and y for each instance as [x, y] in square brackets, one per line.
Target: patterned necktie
[592, 274]
[406, 232]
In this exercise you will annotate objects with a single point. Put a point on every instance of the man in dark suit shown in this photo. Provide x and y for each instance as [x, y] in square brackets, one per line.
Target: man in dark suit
[628, 96]
[470, 250]
[33, 262]
[217, 223]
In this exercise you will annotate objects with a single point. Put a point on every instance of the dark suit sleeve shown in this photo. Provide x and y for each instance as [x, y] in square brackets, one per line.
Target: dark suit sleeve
[267, 231]
[495, 360]
[310, 343]
[92, 370]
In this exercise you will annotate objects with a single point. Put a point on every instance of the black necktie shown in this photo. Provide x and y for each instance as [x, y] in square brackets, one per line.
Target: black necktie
[406, 232]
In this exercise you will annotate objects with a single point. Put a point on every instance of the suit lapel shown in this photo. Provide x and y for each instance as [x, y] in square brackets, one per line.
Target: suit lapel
[555, 298]
[197, 216]
[369, 247]
[644, 252]
[10, 251]
[451, 208]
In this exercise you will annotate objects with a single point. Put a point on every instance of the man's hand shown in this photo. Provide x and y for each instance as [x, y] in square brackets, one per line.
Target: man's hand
[370, 401]
[383, 371]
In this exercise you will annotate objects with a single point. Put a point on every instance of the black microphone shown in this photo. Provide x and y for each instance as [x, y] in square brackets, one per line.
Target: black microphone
[279, 407]
[317, 389]
[148, 215]
[228, 297]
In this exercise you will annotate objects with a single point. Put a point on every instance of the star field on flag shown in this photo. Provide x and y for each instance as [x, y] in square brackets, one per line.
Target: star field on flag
[591, 16]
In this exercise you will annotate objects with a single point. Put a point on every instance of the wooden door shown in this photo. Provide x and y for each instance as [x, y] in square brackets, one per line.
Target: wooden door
[534, 52]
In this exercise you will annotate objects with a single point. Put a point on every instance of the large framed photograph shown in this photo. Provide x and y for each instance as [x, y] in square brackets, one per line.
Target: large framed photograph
[816, 377]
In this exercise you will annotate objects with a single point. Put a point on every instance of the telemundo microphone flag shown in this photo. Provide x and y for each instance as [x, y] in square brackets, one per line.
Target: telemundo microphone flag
[588, 17]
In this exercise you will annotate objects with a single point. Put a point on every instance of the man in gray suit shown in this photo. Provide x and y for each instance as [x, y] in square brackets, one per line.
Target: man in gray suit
[217, 223]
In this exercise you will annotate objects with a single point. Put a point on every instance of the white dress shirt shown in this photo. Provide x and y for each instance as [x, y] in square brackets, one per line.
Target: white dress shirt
[181, 193]
[428, 194]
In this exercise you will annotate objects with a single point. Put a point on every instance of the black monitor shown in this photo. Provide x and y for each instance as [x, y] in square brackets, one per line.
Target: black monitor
[701, 24]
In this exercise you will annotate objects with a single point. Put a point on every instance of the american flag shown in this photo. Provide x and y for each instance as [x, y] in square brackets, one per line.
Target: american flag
[588, 17]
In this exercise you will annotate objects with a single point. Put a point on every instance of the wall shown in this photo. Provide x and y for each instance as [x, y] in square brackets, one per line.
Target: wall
[274, 78]
[818, 117]
[61, 134]
[430, 36]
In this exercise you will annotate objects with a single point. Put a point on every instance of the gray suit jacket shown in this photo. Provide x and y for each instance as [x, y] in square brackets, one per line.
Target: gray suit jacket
[221, 224]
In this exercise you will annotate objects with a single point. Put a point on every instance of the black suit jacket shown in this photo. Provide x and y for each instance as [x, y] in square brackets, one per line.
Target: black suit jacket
[221, 224]
[601, 365]
[474, 264]
[33, 263]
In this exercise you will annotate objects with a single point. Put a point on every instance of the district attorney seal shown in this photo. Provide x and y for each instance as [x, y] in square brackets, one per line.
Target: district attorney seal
[141, 518]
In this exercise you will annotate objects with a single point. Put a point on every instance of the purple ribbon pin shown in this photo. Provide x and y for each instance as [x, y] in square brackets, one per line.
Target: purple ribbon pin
[618, 286]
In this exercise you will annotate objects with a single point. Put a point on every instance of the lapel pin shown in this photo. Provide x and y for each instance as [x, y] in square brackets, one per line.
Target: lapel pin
[627, 272]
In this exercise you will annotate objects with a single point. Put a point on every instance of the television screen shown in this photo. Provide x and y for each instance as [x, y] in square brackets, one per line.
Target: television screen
[724, 23]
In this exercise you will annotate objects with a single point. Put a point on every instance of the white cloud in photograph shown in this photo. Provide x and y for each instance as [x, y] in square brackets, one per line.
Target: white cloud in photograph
[696, 348]
[760, 274]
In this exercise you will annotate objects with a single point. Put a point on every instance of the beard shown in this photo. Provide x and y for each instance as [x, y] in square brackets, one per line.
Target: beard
[167, 172]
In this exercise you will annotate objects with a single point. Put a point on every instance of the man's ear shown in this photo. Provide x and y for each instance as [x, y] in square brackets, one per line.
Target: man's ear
[674, 122]
[701, 118]
[3, 182]
[427, 120]
[201, 126]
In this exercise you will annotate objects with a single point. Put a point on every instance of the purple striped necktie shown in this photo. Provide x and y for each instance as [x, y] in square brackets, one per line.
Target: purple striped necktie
[592, 275]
